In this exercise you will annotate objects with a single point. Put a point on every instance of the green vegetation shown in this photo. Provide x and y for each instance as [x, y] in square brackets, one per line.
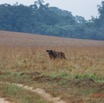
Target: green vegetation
[78, 79]
[39, 18]
[19, 95]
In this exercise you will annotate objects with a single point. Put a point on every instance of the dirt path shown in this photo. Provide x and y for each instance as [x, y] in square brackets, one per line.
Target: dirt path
[2, 100]
[38, 91]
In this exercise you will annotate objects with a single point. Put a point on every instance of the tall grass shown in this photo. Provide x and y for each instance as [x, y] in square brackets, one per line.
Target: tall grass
[79, 61]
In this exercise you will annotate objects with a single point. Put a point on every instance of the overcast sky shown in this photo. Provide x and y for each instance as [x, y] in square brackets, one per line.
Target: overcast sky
[85, 8]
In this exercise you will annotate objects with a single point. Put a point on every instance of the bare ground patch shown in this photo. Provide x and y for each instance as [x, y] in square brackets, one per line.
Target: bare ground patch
[2, 100]
[40, 92]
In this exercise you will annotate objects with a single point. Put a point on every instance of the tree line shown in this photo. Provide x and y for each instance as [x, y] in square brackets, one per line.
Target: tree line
[40, 18]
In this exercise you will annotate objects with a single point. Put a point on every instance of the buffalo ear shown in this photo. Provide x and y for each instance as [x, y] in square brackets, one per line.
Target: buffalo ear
[48, 51]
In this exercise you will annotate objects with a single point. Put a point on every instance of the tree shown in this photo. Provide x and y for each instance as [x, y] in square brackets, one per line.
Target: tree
[41, 19]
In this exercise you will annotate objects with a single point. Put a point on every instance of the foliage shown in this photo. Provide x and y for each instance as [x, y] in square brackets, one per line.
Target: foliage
[41, 19]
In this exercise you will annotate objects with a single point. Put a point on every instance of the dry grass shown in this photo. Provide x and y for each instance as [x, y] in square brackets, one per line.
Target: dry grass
[29, 40]
[79, 61]
[27, 53]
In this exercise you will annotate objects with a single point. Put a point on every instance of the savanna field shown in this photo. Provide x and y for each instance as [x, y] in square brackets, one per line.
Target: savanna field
[77, 79]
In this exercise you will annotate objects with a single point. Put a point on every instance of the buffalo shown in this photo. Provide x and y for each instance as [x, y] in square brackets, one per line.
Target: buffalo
[55, 55]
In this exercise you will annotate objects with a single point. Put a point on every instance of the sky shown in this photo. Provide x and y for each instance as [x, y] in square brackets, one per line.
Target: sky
[85, 8]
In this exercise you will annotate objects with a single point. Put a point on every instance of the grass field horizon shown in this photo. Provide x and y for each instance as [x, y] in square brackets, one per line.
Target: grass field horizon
[36, 40]
[78, 79]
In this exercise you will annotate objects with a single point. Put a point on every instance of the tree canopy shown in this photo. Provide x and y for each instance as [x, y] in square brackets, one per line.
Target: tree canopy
[40, 18]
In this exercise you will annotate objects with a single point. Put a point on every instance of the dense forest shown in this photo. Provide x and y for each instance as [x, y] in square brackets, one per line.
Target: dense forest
[40, 18]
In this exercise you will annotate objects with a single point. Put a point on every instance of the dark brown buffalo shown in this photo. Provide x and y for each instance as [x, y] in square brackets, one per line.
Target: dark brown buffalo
[54, 54]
